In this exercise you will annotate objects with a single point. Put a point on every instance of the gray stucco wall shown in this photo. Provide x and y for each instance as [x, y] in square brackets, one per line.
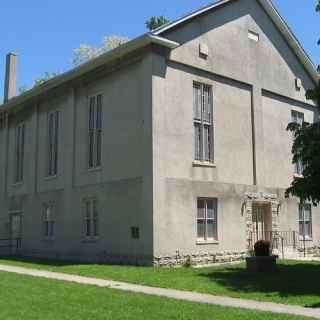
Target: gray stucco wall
[122, 186]
[253, 85]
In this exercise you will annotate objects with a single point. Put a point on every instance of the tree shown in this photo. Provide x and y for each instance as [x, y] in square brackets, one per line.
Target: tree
[23, 89]
[47, 76]
[156, 22]
[86, 52]
[82, 54]
[306, 149]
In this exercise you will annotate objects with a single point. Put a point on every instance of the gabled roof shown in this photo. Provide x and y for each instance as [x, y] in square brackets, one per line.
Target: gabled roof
[156, 38]
[275, 17]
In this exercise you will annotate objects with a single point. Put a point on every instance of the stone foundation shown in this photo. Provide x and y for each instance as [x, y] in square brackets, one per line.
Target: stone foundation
[200, 259]
[311, 252]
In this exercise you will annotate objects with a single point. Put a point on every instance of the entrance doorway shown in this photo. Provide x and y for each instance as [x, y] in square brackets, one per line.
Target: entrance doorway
[262, 221]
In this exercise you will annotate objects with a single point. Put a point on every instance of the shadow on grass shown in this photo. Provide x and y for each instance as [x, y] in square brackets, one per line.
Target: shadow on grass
[62, 263]
[313, 306]
[290, 280]
[43, 261]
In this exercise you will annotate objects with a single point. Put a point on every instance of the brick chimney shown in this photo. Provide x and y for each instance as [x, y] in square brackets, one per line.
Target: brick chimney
[10, 77]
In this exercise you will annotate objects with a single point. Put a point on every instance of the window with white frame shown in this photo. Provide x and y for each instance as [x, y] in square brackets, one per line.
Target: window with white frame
[207, 219]
[203, 127]
[305, 221]
[90, 223]
[48, 221]
[297, 117]
[53, 140]
[95, 131]
[19, 152]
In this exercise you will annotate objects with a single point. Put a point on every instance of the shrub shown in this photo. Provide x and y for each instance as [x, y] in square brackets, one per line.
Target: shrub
[262, 248]
[188, 262]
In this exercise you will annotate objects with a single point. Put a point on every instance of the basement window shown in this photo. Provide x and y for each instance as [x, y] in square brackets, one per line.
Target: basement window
[253, 36]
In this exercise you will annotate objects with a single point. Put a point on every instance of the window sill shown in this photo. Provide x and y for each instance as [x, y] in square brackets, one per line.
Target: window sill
[94, 169]
[205, 242]
[297, 175]
[204, 164]
[90, 240]
[51, 177]
[17, 184]
[305, 239]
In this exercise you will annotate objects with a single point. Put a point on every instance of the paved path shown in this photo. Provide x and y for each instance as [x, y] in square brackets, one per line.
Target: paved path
[169, 293]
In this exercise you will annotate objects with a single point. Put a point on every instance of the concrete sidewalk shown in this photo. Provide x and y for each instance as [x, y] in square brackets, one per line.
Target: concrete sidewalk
[169, 293]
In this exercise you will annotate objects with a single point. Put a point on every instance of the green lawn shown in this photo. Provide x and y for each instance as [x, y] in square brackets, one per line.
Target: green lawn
[29, 298]
[294, 282]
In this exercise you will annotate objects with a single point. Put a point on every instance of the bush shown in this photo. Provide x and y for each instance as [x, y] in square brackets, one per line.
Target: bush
[262, 248]
[188, 262]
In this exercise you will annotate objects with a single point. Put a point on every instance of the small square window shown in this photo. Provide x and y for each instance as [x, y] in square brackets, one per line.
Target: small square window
[135, 232]
[298, 84]
[203, 50]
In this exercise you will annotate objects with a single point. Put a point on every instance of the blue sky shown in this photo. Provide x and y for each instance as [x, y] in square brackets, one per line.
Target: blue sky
[44, 33]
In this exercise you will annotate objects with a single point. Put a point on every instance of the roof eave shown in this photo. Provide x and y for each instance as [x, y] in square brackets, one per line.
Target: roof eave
[187, 17]
[88, 66]
[292, 39]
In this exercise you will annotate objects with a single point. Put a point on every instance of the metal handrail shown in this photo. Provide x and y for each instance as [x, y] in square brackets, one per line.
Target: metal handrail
[277, 238]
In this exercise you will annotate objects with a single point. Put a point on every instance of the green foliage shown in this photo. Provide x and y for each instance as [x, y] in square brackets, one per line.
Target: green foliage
[283, 286]
[47, 76]
[31, 298]
[314, 94]
[188, 262]
[306, 149]
[23, 89]
[156, 22]
[86, 52]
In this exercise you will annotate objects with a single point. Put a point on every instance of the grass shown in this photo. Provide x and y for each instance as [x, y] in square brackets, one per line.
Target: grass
[295, 283]
[29, 298]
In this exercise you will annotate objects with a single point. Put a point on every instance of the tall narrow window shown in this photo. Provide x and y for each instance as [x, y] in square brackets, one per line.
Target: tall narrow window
[95, 131]
[305, 221]
[53, 138]
[48, 222]
[90, 219]
[203, 127]
[19, 152]
[298, 117]
[207, 224]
